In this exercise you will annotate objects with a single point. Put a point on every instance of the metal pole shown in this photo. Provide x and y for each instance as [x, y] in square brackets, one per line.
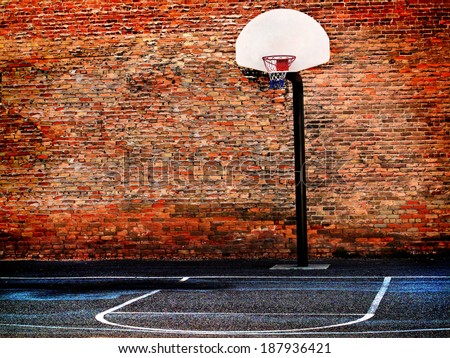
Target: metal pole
[300, 169]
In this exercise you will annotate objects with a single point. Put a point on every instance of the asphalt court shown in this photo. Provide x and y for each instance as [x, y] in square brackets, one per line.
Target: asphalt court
[260, 303]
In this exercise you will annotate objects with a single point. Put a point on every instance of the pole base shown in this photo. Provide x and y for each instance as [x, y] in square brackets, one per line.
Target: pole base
[295, 267]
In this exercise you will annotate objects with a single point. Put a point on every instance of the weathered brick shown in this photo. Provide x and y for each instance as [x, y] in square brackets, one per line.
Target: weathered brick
[128, 131]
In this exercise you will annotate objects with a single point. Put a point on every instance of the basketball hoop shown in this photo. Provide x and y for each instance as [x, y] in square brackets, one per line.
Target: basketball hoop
[277, 67]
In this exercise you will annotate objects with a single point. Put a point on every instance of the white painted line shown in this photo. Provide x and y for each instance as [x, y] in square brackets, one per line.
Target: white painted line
[184, 279]
[318, 277]
[370, 313]
[376, 302]
[67, 328]
[73, 328]
[101, 316]
[412, 330]
[233, 314]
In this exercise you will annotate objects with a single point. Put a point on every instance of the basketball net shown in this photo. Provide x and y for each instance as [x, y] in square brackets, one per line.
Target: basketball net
[277, 67]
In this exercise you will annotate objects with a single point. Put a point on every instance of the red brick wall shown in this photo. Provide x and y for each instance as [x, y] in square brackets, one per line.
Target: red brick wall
[128, 131]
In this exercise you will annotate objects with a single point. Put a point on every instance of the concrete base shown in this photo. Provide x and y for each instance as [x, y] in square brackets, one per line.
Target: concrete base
[295, 267]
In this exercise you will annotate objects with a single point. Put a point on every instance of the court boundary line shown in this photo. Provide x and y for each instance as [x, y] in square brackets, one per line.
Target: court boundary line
[303, 333]
[69, 328]
[370, 313]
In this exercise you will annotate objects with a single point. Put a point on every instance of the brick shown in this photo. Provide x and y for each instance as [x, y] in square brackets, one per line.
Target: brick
[120, 143]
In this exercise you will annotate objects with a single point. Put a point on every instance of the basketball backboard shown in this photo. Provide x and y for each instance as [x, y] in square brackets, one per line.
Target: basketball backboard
[281, 41]
[283, 32]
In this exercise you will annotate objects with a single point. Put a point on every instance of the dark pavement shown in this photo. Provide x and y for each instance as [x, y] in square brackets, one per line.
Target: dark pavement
[426, 265]
[407, 297]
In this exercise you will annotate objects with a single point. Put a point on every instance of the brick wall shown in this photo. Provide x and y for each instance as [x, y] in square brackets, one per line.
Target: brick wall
[128, 131]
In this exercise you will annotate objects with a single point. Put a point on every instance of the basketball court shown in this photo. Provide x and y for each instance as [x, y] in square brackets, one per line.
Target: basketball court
[259, 302]
[354, 298]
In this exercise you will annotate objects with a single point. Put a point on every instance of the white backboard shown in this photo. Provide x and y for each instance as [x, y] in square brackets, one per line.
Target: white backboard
[283, 32]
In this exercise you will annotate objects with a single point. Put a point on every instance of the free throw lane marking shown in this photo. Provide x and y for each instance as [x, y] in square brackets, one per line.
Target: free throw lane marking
[376, 302]
[233, 314]
[370, 313]
[101, 316]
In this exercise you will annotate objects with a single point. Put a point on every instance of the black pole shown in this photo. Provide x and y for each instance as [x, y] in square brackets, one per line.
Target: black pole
[300, 169]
